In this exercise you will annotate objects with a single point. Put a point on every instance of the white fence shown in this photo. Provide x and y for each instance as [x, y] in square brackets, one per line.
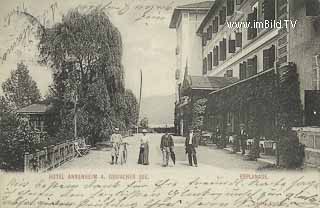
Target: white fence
[50, 157]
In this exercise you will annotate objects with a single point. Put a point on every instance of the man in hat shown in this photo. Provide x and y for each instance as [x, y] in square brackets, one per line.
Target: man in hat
[116, 141]
[243, 136]
[166, 146]
[191, 144]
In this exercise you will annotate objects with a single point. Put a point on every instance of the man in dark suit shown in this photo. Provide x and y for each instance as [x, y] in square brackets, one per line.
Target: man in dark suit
[243, 136]
[191, 144]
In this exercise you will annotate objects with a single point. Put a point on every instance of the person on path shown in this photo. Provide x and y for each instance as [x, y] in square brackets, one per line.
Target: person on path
[144, 149]
[243, 136]
[191, 144]
[166, 147]
[116, 141]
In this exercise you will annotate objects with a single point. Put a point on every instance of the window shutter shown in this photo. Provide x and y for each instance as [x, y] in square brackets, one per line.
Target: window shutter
[229, 73]
[216, 56]
[269, 58]
[250, 22]
[223, 51]
[245, 75]
[232, 46]
[272, 54]
[210, 61]
[312, 7]
[216, 24]
[222, 15]
[230, 7]
[254, 66]
[269, 10]
[224, 44]
[209, 32]
[241, 71]
[250, 67]
[204, 39]
[252, 17]
[266, 61]
[213, 26]
[204, 71]
[239, 39]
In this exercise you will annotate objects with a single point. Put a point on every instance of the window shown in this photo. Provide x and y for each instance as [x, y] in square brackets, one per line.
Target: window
[229, 73]
[223, 49]
[223, 15]
[209, 61]
[316, 72]
[312, 7]
[215, 24]
[216, 56]
[232, 45]
[242, 70]
[239, 39]
[269, 58]
[252, 68]
[205, 67]
[204, 39]
[252, 18]
[230, 7]
[209, 32]
[268, 10]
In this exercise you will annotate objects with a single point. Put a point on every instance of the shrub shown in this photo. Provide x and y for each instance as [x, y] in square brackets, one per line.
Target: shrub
[16, 138]
[291, 152]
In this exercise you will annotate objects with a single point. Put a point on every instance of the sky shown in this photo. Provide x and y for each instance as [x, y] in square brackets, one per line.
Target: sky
[148, 43]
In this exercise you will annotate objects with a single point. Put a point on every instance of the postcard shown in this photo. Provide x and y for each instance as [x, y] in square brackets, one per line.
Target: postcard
[153, 104]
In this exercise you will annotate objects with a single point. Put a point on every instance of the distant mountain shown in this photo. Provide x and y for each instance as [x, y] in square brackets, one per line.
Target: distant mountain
[158, 109]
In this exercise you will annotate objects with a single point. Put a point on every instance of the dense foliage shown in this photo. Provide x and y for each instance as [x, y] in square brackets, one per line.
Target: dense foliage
[198, 113]
[144, 123]
[20, 89]
[85, 52]
[16, 138]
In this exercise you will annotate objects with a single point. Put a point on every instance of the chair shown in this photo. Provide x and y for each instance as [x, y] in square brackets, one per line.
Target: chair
[80, 150]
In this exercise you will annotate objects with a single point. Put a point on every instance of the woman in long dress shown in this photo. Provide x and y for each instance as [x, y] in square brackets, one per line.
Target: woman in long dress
[144, 149]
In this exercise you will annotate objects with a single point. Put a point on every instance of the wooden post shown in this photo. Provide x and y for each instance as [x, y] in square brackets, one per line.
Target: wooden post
[26, 161]
[38, 160]
[45, 158]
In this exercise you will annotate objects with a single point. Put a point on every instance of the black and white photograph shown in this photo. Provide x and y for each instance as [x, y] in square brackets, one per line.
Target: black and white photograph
[159, 103]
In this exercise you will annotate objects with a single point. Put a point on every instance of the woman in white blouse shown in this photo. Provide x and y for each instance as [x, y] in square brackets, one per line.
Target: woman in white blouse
[144, 149]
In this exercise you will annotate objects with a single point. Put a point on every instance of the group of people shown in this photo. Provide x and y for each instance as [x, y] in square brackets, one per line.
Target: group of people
[240, 141]
[119, 148]
[166, 147]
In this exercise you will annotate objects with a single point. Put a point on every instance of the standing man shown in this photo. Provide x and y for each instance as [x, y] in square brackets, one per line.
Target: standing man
[166, 147]
[191, 145]
[243, 138]
[116, 141]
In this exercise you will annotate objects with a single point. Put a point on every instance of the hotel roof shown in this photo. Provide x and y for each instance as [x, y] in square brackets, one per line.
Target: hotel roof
[204, 6]
[210, 83]
[35, 109]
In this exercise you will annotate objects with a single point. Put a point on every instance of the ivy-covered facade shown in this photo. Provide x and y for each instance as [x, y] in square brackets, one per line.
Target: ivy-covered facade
[191, 109]
[263, 102]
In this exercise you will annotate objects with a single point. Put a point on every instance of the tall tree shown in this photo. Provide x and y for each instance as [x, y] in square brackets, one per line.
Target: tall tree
[131, 110]
[85, 51]
[20, 89]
